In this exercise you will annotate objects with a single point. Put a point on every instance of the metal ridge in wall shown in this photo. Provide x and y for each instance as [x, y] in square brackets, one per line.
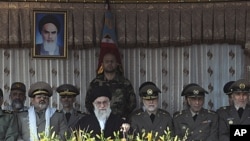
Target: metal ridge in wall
[123, 1]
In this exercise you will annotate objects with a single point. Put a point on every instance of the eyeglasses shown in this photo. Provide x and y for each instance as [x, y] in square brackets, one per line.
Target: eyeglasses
[67, 96]
[99, 103]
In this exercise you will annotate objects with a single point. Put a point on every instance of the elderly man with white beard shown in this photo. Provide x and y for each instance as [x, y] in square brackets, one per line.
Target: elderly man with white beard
[49, 27]
[102, 120]
[150, 118]
[40, 118]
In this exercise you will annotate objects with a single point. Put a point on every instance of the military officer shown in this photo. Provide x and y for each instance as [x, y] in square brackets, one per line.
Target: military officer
[17, 97]
[8, 123]
[238, 112]
[40, 118]
[195, 122]
[68, 95]
[150, 117]
[228, 92]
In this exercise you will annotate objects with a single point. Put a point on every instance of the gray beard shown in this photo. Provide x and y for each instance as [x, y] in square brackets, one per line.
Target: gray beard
[17, 104]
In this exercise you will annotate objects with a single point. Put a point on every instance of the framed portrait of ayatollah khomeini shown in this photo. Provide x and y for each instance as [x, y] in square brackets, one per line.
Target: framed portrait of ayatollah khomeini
[50, 34]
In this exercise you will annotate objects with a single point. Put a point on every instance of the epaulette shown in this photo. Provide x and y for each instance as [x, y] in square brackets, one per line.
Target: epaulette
[139, 113]
[224, 107]
[176, 114]
[162, 111]
[59, 111]
[7, 111]
[23, 111]
[211, 111]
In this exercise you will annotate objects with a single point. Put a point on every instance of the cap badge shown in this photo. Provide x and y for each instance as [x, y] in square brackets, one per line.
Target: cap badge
[149, 91]
[196, 91]
[242, 86]
[18, 85]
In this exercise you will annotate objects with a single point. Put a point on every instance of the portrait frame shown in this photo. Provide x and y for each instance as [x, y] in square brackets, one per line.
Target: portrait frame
[50, 33]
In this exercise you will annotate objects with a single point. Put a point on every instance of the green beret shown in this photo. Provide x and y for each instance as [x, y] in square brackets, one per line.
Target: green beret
[39, 88]
[67, 89]
[148, 90]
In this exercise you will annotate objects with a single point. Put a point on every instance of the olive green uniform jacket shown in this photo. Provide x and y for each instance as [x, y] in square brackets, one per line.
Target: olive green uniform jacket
[228, 115]
[57, 121]
[204, 128]
[141, 122]
[8, 126]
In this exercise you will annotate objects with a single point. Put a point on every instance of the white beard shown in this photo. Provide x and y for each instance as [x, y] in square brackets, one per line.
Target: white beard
[102, 116]
[50, 46]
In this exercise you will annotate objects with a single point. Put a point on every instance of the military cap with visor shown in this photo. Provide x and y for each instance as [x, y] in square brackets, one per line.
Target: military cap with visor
[67, 90]
[241, 85]
[148, 90]
[227, 86]
[18, 86]
[40, 88]
[194, 90]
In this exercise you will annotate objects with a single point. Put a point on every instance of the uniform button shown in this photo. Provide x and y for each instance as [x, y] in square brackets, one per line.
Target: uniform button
[200, 131]
[191, 132]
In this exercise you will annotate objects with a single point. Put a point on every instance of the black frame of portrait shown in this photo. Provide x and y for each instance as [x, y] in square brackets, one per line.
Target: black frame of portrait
[61, 16]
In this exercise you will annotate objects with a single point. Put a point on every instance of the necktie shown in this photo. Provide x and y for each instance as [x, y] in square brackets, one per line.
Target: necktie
[152, 117]
[195, 116]
[240, 111]
[68, 116]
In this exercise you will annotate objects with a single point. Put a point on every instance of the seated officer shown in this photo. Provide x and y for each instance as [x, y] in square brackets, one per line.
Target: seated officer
[228, 92]
[17, 97]
[40, 117]
[68, 95]
[8, 123]
[238, 112]
[150, 117]
[197, 122]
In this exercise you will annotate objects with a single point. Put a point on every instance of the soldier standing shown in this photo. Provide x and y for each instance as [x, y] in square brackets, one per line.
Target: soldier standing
[150, 118]
[8, 123]
[197, 122]
[68, 95]
[237, 113]
[123, 96]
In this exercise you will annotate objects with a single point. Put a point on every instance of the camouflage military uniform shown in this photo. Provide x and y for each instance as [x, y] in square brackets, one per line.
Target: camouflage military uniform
[8, 126]
[123, 100]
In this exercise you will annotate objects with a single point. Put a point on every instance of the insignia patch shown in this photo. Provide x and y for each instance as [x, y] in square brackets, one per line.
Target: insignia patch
[149, 91]
[242, 86]
[196, 91]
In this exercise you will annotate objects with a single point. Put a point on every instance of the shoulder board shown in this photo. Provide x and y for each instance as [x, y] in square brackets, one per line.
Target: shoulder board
[224, 108]
[23, 111]
[59, 111]
[211, 111]
[163, 111]
[139, 113]
[178, 113]
[7, 111]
